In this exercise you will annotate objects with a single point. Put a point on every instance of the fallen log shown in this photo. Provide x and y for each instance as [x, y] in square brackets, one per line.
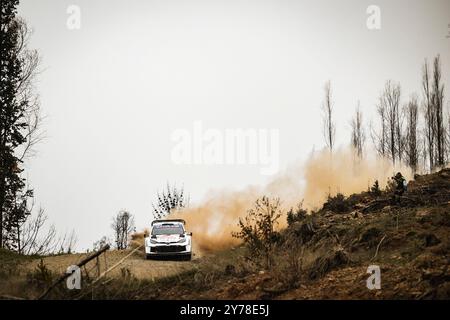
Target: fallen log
[106, 271]
[374, 204]
[66, 275]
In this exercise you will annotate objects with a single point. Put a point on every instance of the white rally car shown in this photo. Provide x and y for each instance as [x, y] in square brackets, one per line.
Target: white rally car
[168, 238]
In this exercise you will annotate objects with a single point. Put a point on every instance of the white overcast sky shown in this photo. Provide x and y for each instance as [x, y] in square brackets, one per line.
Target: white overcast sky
[115, 90]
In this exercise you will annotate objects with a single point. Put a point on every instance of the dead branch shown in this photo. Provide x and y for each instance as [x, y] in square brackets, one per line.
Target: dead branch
[378, 247]
[66, 275]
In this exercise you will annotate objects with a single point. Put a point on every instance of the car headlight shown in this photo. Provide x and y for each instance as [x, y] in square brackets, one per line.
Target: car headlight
[181, 240]
[153, 241]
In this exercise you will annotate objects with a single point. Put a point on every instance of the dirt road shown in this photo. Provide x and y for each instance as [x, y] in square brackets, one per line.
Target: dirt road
[135, 265]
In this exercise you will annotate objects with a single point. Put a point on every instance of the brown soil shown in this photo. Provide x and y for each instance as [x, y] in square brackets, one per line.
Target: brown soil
[321, 256]
[135, 264]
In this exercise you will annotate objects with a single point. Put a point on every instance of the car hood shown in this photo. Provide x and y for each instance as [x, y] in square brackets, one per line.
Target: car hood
[168, 238]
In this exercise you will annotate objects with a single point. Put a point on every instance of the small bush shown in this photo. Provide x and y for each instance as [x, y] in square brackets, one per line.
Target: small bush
[101, 243]
[41, 276]
[337, 204]
[390, 187]
[289, 268]
[257, 229]
[375, 189]
[296, 215]
[125, 273]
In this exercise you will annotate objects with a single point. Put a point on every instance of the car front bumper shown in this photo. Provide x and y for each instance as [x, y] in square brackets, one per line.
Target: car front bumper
[168, 249]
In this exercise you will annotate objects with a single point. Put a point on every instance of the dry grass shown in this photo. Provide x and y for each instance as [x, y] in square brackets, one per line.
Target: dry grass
[324, 255]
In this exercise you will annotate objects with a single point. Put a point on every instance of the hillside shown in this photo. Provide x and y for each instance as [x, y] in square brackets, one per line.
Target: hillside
[324, 255]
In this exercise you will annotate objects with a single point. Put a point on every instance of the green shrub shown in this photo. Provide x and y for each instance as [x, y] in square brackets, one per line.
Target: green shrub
[41, 276]
[375, 189]
[257, 229]
[337, 204]
[295, 215]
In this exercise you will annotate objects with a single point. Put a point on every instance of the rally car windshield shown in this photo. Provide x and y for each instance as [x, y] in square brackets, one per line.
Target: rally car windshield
[172, 229]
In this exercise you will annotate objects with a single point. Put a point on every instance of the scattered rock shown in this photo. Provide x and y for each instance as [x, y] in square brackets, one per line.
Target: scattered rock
[358, 214]
[430, 240]
[423, 212]
[230, 269]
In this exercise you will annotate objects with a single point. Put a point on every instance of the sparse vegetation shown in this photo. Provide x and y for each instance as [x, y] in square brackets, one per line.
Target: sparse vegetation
[257, 229]
[169, 200]
[317, 251]
[337, 204]
[297, 214]
[41, 276]
[375, 189]
[123, 226]
[101, 243]
[405, 230]
[19, 125]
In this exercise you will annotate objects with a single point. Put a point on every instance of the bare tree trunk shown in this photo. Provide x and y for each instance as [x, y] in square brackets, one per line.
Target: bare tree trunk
[438, 102]
[388, 109]
[412, 150]
[123, 225]
[358, 135]
[2, 184]
[19, 247]
[428, 115]
[328, 122]
[448, 132]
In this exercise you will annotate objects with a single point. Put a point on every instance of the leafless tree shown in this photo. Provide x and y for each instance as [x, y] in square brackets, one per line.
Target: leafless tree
[66, 243]
[24, 128]
[392, 120]
[101, 243]
[27, 93]
[429, 115]
[37, 239]
[448, 131]
[379, 138]
[437, 96]
[433, 109]
[329, 128]
[123, 226]
[171, 199]
[411, 136]
[358, 133]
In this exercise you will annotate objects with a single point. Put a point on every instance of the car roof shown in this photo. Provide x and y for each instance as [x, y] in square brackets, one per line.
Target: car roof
[159, 221]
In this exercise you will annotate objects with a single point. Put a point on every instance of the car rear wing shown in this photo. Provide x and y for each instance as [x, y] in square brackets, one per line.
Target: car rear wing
[169, 220]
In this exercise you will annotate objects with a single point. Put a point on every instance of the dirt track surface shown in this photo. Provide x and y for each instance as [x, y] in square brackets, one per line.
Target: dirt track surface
[321, 256]
[135, 265]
